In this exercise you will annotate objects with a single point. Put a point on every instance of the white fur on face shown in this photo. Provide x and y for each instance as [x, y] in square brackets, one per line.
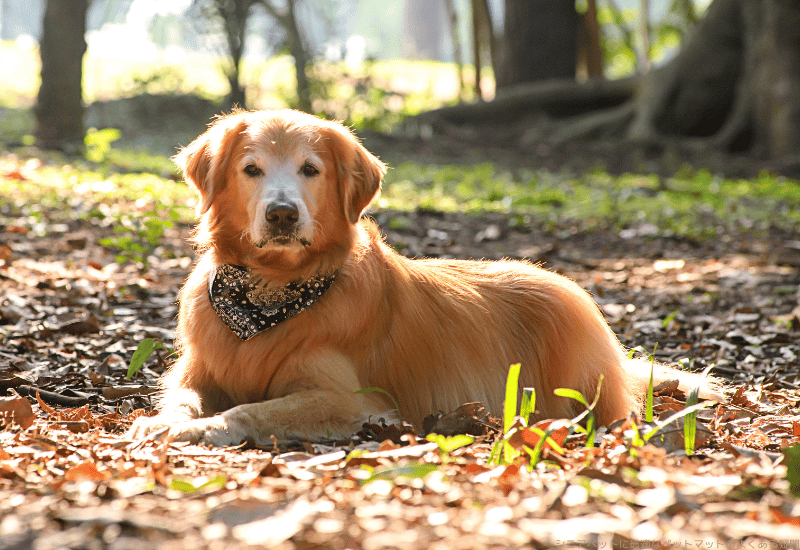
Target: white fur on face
[280, 179]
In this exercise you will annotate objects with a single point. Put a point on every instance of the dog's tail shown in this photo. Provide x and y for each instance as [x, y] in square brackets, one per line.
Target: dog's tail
[711, 389]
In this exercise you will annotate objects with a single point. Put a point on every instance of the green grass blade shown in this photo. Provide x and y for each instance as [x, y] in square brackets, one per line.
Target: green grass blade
[509, 452]
[384, 392]
[448, 444]
[637, 440]
[216, 482]
[791, 457]
[510, 405]
[590, 431]
[597, 393]
[589, 412]
[182, 485]
[536, 452]
[690, 422]
[143, 352]
[572, 394]
[528, 404]
[410, 471]
[494, 456]
[672, 418]
[187, 486]
[648, 414]
[669, 318]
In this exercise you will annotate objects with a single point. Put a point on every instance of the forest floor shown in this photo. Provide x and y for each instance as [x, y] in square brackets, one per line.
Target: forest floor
[71, 317]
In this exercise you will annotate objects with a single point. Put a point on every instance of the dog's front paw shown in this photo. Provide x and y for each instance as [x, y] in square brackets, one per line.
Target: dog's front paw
[153, 426]
[213, 431]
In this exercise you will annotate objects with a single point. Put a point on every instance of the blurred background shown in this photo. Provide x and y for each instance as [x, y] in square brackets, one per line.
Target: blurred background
[371, 63]
[683, 115]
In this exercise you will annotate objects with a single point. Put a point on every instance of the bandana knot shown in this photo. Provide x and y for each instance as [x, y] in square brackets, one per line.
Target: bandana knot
[247, 308]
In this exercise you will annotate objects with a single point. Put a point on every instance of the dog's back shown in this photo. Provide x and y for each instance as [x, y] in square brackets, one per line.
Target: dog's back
[447, 331]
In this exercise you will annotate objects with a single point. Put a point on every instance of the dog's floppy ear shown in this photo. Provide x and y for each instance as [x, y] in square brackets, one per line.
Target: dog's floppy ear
[204, 162]
[359, 172]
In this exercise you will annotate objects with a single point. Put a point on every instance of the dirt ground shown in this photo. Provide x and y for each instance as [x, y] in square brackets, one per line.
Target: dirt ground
[71, 318]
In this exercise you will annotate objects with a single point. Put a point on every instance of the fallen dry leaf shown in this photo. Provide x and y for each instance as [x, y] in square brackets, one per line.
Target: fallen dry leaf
[85, 470]
[17, 410]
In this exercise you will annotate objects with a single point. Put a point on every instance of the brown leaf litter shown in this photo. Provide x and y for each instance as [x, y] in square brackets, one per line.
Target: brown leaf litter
[70, 319]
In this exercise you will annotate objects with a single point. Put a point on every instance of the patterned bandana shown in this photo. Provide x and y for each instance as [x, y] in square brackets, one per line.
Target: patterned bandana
[243, 304]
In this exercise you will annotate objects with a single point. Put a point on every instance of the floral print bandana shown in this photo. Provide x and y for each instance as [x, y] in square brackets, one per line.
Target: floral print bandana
[247, 308]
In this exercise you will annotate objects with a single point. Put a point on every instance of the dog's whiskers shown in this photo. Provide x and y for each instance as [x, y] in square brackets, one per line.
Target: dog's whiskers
[318, 228]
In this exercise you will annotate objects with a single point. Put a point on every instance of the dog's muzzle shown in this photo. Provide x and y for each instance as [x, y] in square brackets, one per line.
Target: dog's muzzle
[282, 218]
[283, 225]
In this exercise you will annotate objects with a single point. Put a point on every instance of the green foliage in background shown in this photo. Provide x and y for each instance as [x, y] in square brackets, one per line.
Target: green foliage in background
[140, 236]
[694, 204]
[98, 143]
[619, 27]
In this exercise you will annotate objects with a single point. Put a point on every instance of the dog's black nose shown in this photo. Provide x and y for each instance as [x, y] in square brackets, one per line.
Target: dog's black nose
[282, 215]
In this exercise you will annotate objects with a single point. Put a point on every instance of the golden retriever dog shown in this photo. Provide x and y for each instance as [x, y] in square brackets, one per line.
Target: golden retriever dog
[297, 302]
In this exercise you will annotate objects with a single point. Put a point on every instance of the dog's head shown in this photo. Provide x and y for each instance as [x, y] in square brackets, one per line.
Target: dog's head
[280, 180]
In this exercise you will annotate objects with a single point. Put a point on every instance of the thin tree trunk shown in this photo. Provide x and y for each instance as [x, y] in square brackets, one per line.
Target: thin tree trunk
[643, 50]
[288, 21]
[455, 39]
[491, 37]
[589, 48]
[301, 58]
[476, 48]
[482, 34]
[59, 104]
[234, 15]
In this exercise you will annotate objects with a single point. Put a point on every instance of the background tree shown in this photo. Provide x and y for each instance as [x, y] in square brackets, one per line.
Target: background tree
[234, 15]
[539, 41]
[424, 24]
[736, 82]
[483, 40]
[287, 19]
[734, 86]
[590, 53]
[455, 38]
[59, 104]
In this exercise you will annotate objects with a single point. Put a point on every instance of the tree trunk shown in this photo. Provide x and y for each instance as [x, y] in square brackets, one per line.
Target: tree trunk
[59, 104]
[590, 53]
[288, 21]
[774, 63]
[300, 55]
[482, 40]
[423, 21]
[643, 43]
[553, 98]
[539, 41]
[736, 82]
[234, 15]
[455, 39]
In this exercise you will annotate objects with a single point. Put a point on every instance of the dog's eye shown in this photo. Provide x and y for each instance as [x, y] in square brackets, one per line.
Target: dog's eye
[309, 170]
[252, 170]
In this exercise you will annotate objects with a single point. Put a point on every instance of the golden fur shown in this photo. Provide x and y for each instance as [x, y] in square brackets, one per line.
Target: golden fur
[433, 333]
